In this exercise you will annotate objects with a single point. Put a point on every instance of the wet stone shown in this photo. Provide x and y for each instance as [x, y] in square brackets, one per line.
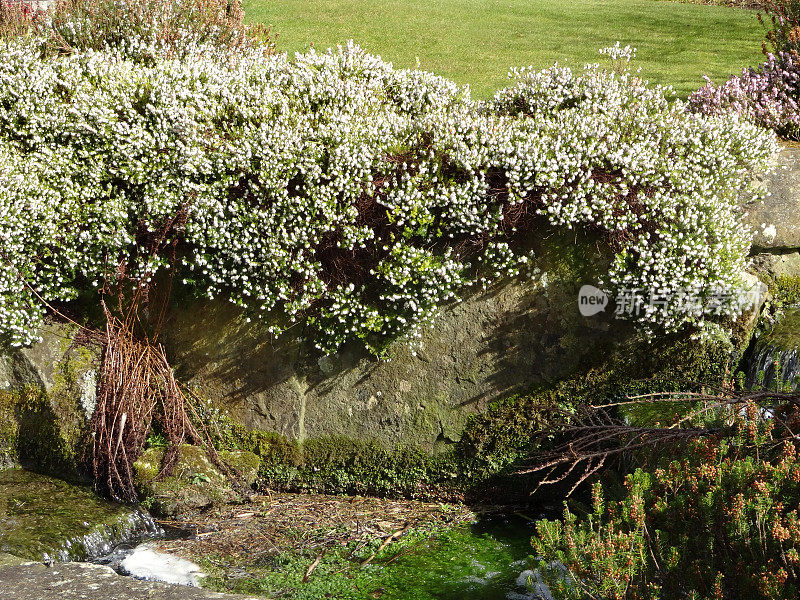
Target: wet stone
[44, 518]
[85, 581]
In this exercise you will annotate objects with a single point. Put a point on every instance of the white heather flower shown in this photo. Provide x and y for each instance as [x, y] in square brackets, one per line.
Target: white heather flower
[273, 161]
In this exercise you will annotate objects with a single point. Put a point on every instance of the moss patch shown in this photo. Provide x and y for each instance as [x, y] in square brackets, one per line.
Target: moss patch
[195, 482]
[786, 289]
[45, 413]
[46, 432]
[41, 515]
[266, 547]
[785, 335]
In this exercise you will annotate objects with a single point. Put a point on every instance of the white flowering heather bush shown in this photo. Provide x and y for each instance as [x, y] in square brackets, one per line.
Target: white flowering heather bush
[337, 192]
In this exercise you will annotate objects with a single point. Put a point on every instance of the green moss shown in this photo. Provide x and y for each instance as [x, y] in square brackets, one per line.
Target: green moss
[9, 429]
[245, 464]
[40, 514]
[786, 289]
[441, 562]
[41, 431]
[8, 560]
[48, 430]
[342, 465]
[785, 334]
[195, 482]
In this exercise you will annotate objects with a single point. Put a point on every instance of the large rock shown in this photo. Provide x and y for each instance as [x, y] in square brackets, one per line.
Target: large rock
[195, 483]
[45, 518]
[495, 343]
[520, 335]
[85, 581]
[771, 266]
[47, 397]
[524, 334]
[776, 220]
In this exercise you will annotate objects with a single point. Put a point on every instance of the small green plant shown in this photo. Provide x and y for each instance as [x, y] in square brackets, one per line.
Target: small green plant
[787, 289]
[198, 478]
[717, 518]
[156, 440]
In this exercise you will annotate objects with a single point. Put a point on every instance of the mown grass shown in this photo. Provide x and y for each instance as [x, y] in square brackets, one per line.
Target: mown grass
[476, 41]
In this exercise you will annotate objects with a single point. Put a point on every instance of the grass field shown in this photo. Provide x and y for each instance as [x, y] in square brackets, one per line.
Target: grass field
[476, 41]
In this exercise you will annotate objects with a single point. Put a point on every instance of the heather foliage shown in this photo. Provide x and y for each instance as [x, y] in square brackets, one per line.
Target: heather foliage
[767, 95]
[140, 30]
[783, 21]
[719, 519]
[17, 18]
[143, 29]
[337, 192]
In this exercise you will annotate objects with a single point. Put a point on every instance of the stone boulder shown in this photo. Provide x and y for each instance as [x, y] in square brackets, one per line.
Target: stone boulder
[771, 266]
[775, 221]
[85, 581]
[493, 344]
[522, 335]
[47, 397]
[195, 482]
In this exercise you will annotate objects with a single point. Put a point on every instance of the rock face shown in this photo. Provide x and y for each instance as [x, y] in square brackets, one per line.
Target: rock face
[493, 344]
[47, 396]
[524, 334]
[776, 220]
[84, 581]
[770, 266]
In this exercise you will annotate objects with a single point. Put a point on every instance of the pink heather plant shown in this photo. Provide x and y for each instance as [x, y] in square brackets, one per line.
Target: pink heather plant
[766, 95]
[16, 18]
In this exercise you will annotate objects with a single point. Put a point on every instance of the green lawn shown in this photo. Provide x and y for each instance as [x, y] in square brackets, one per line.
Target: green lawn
[476, 41]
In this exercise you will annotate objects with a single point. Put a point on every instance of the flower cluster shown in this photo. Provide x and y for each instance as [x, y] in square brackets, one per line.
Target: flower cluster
[335, 191]
[606, 150]
[767, 95]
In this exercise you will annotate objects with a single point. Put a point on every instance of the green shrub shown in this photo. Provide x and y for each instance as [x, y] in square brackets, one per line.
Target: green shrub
[718, 519]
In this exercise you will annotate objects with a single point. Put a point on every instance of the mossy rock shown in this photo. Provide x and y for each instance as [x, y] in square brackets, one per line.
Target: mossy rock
[522, 335]
[41, 516]
[7, 560]
[47, 397]
[195, 482]
[483, 464]
[455, 451]
[785, 334]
